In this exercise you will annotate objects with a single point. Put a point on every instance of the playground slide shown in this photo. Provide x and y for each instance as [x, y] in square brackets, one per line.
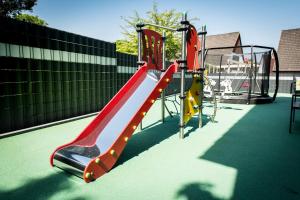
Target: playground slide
[97, 148]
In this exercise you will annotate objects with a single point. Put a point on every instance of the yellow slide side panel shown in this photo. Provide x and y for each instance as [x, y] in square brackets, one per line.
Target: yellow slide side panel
[192, 102]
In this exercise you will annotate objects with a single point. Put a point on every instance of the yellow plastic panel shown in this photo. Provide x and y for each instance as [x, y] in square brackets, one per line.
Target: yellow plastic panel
[192, 102]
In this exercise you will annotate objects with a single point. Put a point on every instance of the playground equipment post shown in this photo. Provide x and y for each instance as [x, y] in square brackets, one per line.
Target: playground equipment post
[140, 61]
[202, 68]
[183, 68]
[163, 94]
[250, 76]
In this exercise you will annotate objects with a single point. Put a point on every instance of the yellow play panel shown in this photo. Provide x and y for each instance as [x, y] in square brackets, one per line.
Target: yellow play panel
[193, 102]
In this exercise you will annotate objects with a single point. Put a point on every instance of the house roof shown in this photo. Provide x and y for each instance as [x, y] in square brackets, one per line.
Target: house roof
[289, 50]
[222, 40]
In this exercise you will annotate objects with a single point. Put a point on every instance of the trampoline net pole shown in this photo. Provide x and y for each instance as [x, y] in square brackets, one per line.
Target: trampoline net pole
[219, 86]
[250, 77]
[255, 71]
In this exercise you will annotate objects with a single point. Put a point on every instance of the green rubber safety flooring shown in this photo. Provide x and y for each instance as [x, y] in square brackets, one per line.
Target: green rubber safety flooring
[246, 154]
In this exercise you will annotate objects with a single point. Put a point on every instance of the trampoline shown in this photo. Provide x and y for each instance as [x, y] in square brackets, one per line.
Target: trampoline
[241, 74]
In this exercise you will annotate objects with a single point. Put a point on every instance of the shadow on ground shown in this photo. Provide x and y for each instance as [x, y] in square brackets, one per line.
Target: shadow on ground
[196, 191]
[40, 188]
[229, 108]
[266, 157]
[193, 124]
[148, 137]
[154, 134]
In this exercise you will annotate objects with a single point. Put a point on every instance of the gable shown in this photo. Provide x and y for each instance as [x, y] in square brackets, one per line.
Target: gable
[289, 50]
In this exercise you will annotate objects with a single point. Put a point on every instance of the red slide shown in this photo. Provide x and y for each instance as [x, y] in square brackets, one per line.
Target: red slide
[97, 148]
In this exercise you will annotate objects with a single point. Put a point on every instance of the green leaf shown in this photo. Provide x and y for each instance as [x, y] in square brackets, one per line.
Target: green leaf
[170, 18]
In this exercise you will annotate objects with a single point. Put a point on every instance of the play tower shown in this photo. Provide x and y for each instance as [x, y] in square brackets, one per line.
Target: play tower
[97, 148]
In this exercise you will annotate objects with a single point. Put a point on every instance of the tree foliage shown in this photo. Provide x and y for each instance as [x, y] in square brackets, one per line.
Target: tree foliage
[11, 8]
[31, 19]
[170, 18]
[14, 9]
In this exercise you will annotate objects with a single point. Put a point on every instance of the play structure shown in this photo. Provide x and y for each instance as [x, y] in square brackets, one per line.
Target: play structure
[244, 76]
[97, 148]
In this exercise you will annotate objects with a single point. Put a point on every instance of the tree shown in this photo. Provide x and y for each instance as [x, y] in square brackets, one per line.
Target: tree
[11, 8]
[14, 9]
[170, 18]
[31, 19]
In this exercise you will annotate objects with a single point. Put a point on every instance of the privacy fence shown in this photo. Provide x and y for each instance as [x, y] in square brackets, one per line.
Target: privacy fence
[48, 75]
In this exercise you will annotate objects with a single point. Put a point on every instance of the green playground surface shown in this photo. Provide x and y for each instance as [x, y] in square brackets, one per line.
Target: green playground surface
[246, 154]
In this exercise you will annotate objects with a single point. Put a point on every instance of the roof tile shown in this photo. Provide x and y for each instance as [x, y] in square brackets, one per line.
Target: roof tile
[289, 50]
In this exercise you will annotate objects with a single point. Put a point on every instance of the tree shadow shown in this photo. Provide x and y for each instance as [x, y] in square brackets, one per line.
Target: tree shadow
[263, 153]
[196, 191]
[39, 188]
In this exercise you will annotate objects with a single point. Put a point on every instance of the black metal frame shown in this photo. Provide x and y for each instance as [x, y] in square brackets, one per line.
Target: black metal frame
[295, 105]
[255, 46]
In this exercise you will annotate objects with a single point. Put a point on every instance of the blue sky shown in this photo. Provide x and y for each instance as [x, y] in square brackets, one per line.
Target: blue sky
[259, 21]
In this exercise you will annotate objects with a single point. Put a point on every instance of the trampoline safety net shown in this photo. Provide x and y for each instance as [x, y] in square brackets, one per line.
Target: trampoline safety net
[240, 77]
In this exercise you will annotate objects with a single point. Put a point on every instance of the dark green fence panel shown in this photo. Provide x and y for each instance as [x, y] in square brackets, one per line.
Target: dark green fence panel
[48, 75]
[48, 91]
[80, 75]
[57, 90]
[17, 106]
[73, 90]
[5, 92]
[65, 90]
[28, 101]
